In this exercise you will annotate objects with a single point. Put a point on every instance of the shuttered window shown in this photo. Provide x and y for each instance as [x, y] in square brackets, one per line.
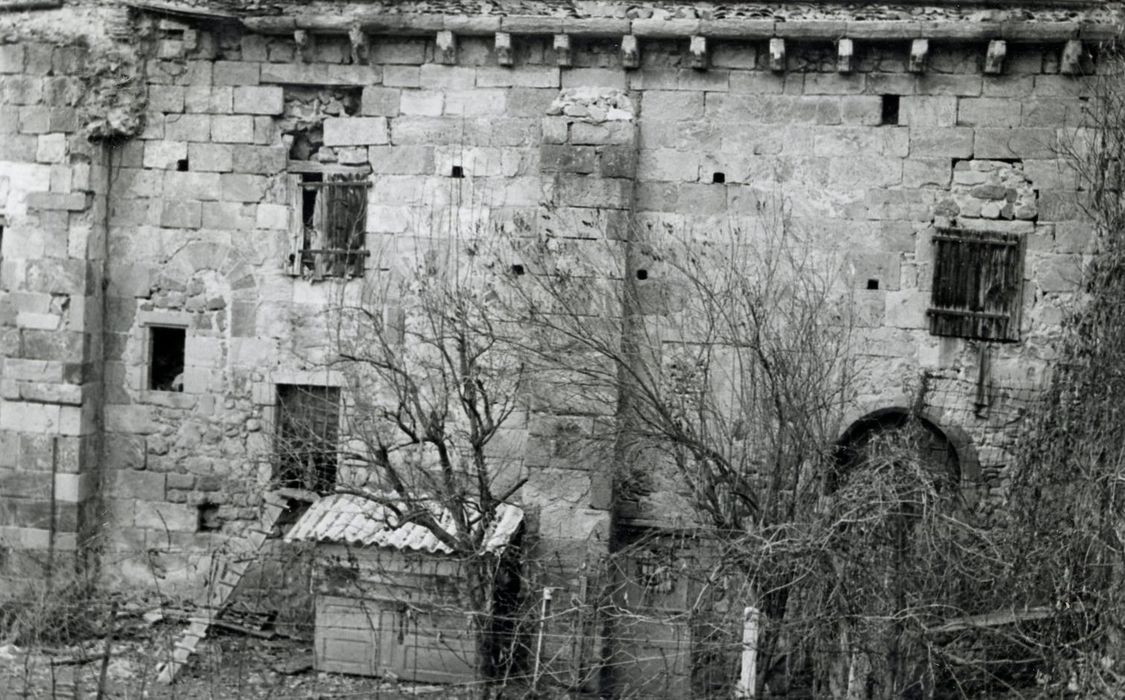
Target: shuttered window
[331, 225]
[977, 287]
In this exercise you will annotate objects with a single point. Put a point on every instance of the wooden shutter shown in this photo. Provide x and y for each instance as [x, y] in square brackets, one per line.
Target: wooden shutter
[977, 284]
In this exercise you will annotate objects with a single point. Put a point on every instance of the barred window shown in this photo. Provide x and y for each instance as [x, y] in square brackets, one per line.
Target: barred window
[307, 433]
[977, 284]
[331, 224]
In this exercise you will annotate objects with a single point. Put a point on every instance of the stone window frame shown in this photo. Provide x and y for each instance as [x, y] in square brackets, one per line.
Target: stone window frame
[1002, 255]
[265, 397]
[140, 380]
[353, 262]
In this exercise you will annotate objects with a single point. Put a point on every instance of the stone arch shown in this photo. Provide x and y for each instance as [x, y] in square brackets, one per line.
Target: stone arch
[950, 445]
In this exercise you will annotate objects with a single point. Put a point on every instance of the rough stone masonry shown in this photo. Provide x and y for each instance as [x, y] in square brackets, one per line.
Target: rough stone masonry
[150, 155]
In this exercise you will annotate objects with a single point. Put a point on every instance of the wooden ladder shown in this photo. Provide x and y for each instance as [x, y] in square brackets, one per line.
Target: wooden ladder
[234, 568]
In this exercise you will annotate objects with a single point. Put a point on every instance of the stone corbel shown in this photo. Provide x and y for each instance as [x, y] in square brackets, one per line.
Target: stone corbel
[563, 56]
[994, 58]
[919, 55]
[845, 56]
[304, 43]
[1071, 63]
[445, 48]
[360, 47]
[504, 54]
[777, 54]
[630, 51]
[697, 53]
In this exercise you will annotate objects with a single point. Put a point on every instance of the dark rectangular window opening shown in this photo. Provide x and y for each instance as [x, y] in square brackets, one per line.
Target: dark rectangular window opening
[334, 219]
[872, 284]
[209, 520]
[977, 284]
[718, 178]
[307, 433]
[166, 358]
[457, 172]
[890, 110]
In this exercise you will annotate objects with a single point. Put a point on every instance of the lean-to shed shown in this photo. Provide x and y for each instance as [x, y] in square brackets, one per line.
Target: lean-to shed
[390, 598]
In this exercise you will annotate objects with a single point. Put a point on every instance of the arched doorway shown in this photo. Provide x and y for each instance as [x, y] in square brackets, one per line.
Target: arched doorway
[898, 486]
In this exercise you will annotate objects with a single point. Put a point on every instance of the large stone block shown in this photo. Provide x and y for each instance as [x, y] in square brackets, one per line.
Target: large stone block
[355, 131]
[192, 185]
[402, 76]
[580, 191]
[401, 160]
[927, 110]
[955, 142]
[166, 517]
[258, 99]
[524, 76]
[239, 187]
[434, 75]
[208, 99]
[261, 160]
[237, 128]
[187, 127]
[672, 105]
[320, 74]
[28, 417]
[12, 58]
[380, 101]
[209, 157]
[478, 102]
[181, 214]
[166, 98]
[1016, 143]
[236, 73]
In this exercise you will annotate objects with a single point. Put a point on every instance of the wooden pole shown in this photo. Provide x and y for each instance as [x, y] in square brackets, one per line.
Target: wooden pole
[539, 641]
[746, 687]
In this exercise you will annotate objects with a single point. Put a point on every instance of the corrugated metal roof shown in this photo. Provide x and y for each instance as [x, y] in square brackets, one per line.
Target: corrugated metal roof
[354, 519]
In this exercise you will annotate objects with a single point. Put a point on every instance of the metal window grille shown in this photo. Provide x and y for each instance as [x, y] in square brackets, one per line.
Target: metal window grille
[334, 219]
[977, 284]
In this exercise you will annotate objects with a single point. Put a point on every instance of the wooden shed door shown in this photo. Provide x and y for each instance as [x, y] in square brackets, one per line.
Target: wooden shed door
[349, 634]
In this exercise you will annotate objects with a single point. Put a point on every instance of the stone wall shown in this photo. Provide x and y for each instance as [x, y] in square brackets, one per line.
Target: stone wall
[201, 207]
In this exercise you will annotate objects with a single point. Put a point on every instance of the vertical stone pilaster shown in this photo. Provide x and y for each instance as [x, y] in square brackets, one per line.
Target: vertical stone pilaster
[587, 168]
[50, 324]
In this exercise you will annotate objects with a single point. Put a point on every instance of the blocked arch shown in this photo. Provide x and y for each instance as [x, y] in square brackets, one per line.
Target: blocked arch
[959, 443]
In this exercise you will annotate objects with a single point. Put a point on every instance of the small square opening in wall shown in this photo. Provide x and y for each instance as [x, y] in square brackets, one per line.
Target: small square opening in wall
[166, 358]
[719, 178]
[457, 172]
[209, 521]
[889, 115]
[517, 269]
[182, 165]
[872, 284]
[642, 274]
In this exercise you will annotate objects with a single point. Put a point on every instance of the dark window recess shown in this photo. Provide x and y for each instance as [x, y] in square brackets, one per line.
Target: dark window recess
[334, 217]
[890, 110]
[308, 427]
[719, 178]
[517, 269]
[873, 284]
[978, 284]
[209, 520]
[182, 165]
[166, 358]
[457, 171]
[642, 274]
